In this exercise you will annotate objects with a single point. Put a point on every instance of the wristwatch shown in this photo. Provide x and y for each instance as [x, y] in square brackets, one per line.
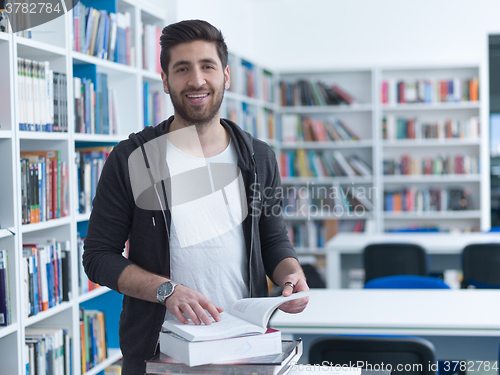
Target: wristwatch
[165, 290]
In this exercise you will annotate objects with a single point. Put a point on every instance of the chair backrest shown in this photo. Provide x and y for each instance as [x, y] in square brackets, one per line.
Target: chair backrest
[406, 282]
[408, 355]
[481, 265]
[388, 259]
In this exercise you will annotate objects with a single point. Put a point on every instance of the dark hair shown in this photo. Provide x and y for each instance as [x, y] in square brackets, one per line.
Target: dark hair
[190, 31]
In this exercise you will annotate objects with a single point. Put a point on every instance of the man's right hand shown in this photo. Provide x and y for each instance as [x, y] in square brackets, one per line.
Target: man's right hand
[193, 304]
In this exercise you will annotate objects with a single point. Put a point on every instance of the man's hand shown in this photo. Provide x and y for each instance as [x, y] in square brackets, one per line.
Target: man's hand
[192, 303]
[292, 284]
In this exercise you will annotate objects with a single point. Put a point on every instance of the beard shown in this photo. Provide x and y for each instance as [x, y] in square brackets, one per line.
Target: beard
[192, 115]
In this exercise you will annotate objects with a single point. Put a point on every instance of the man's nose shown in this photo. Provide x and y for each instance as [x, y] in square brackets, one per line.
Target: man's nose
[196, 78]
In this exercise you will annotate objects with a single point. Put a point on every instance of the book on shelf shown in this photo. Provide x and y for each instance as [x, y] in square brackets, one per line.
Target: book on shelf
[304, 128]
[41, 97]
[272, 364]
[5, 304]
[412, 128]
[394, 91]
[151, 48]
[46, 275]
[84, 284]
[307, 93]
[408, 165]
[104, 35]
[48, 350]
[94, 349]
[154, 108]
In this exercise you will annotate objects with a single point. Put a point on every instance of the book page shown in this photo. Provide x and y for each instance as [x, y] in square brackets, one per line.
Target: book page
[258, 310]
[228, 326]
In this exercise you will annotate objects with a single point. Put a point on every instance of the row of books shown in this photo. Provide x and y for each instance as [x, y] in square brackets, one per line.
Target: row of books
[250, 79]
[330, 200]
[307, 93]
[154, 106]
[418, 166]
[394, 91]
[260, 124]
[105, 35]
[42, 97]
[5, 302]
[84, 284]
[96, 107]
[304, 128]
[267, 86]
[89, 164]
[301, 163]
[47, 351]
[94, 348]
[44, 186]
[151, 48]
[46, 275]
[412, 199]
[412, 128]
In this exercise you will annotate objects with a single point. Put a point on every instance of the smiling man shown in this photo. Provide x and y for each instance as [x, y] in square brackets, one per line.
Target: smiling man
[187, 196]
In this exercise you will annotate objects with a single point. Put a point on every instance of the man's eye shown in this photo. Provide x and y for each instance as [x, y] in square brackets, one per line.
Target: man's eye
[209, 67]
[181, 69]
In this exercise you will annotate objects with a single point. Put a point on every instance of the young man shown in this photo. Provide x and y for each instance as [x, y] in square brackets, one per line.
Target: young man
[194, 196]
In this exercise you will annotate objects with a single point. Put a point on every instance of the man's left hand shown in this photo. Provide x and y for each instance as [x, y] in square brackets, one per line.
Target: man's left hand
[292, 284]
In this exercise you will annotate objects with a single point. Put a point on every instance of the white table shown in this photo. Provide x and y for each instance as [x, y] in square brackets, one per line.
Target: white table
[463, 324]
[433, 243]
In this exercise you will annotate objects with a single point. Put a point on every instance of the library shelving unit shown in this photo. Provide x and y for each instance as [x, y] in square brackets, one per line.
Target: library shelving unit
[310, 216]
[432, 142]
[250, 99]
[53, 42]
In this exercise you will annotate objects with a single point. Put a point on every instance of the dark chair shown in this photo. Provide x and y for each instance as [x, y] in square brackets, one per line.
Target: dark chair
[408, 355]
[388, 259]
[481, 265]
[406, 282]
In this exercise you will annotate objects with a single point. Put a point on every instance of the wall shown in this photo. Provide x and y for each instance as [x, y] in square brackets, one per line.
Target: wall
[293, 34]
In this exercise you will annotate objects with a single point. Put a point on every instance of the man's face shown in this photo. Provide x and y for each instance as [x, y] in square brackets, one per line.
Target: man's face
[196, 81]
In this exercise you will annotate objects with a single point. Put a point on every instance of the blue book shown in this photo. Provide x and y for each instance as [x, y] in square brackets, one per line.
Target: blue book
[51, 276]
[146, 107]
[88, 31]
[36, 304]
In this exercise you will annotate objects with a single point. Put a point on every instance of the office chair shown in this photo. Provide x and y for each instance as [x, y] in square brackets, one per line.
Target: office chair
[387, 259]
[481, 265]
[408, 355]
[406, 282]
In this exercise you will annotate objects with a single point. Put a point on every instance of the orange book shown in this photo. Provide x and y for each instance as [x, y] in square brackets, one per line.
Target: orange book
[474, 89]
[397, 202]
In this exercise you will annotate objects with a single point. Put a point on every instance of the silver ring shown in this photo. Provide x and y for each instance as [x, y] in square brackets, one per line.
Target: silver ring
[290, 284]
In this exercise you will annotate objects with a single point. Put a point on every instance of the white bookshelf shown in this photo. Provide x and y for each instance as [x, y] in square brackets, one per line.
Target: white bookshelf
[53, 42]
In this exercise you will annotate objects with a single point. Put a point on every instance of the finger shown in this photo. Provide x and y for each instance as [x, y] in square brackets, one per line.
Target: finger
[214, 311]
[186, 309]
[178, 314]
[287, 290]
[202, 315]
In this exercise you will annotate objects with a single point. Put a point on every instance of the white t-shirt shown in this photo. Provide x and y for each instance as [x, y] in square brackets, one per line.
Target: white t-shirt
[207, 246]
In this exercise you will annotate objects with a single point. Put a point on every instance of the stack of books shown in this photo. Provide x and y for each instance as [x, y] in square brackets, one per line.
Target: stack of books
[240, 334]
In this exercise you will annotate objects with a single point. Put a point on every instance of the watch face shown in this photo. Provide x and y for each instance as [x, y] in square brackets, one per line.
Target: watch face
[165, 290]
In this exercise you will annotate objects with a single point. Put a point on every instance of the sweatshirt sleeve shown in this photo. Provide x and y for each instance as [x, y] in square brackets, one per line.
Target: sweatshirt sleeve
[275, 245]
[109, 223]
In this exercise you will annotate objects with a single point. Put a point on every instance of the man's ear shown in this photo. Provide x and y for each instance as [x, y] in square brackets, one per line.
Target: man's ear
[164, 79]
[227, 78]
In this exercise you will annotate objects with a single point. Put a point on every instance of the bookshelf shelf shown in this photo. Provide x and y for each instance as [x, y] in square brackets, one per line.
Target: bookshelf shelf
[426, 179]
[323, 216]
[431, 106]
[84, 137]
[5, 331]
[54, 223]
[92, 294]
[110, 66]
[328, 109]
[6, 232]
[82, 217]
[326, 145]
[5, 134]
[446, 142]
[151, 76]
[326, 180]
[5, 36]
[47, 314]
[435, 215]
[38, 50]
[114, 355]
[43, 135]
[230, 95]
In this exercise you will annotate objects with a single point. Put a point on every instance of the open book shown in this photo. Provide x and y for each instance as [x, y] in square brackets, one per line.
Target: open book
[245, 317]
